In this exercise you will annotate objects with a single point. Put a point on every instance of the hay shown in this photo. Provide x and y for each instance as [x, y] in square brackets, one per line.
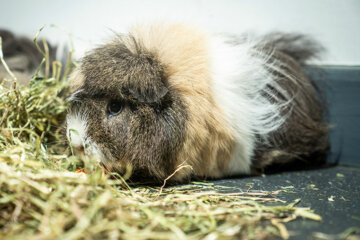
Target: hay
[42, 196]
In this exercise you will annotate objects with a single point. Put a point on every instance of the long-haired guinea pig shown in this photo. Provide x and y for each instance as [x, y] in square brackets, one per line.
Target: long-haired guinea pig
[164, 95]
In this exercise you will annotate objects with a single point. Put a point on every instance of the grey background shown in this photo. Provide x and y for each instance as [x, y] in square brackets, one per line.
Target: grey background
[336, 24]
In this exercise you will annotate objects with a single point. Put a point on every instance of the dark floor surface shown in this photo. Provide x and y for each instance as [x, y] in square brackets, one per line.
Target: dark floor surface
[333, 193]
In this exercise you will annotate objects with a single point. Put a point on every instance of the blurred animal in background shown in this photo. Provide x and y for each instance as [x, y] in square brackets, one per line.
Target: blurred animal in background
[22, 56]
[169, 94]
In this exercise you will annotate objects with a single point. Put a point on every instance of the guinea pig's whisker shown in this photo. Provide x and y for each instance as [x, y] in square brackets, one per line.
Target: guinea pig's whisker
[73, 97]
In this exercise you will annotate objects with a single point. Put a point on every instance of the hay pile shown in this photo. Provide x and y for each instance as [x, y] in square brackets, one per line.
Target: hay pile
[42, 196]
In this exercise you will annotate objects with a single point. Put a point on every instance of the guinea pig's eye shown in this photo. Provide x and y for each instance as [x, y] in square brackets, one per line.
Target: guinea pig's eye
[114, 108]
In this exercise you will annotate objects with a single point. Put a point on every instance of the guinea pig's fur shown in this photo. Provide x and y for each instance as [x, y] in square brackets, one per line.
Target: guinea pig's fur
[223, 105]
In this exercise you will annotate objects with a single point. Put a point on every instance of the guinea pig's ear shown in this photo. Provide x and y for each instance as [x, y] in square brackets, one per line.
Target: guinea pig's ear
[146, 83]
[147, 92]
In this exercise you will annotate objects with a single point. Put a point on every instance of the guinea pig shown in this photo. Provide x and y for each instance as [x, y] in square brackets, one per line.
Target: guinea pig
[170, 94]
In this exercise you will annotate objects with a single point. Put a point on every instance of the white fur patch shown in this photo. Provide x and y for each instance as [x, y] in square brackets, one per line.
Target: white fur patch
[239, 80]
[76, 129]
[76, 133]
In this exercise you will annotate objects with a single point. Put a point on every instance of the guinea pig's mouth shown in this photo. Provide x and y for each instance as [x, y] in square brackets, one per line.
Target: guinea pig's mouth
[144, 177]
[88, 148]
[114, 167]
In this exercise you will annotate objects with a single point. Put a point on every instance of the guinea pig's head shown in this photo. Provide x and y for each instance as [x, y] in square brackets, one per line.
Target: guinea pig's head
[143, 100]
[125, 112]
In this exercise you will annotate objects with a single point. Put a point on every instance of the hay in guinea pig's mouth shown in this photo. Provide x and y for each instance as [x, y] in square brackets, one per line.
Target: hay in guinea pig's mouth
[44, 195]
